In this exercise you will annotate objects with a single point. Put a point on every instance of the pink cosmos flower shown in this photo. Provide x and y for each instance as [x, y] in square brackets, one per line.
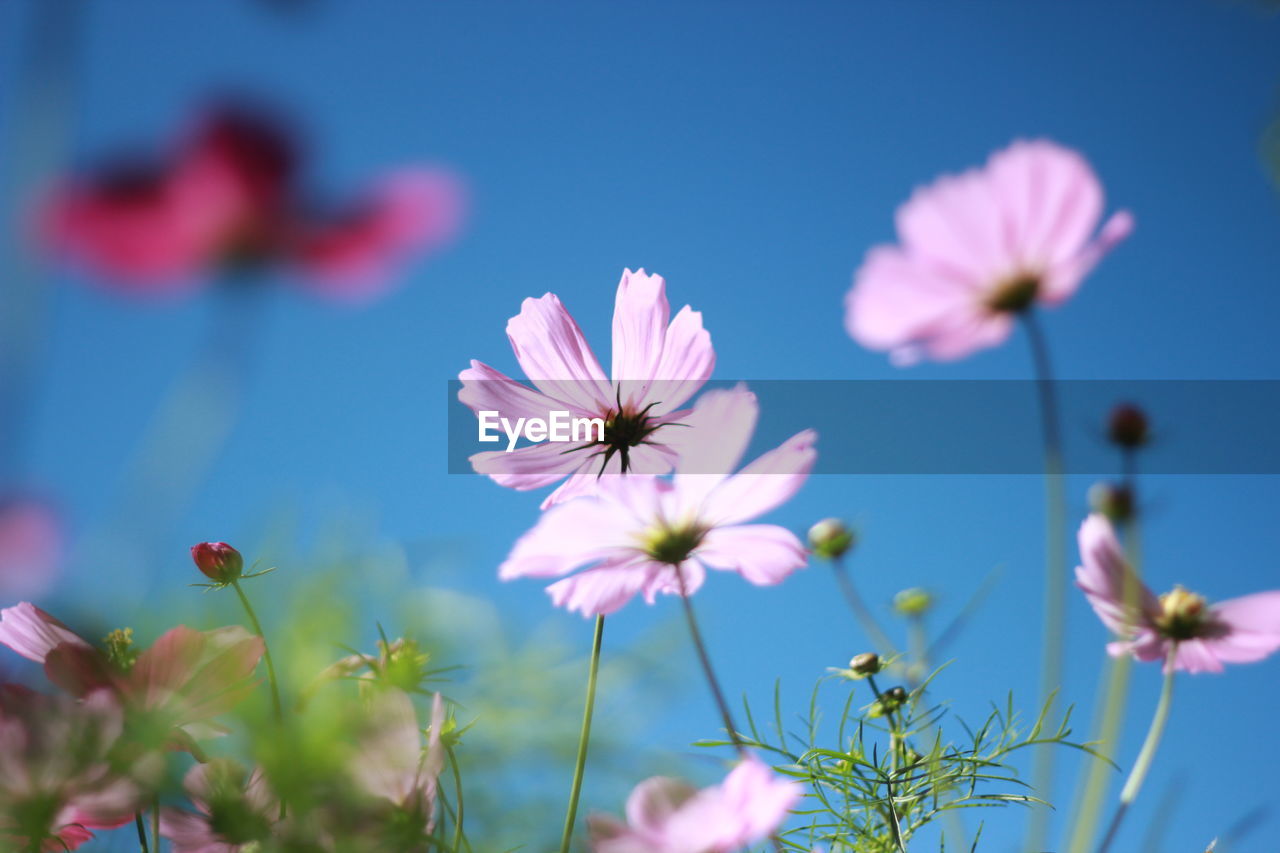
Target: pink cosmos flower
[667, 816]
[185, 679]
[657, 366]
[234, 809]
[392, 763]
[57, 780]
[227, 197]
[1202, 636]
[639, 533]
[30, 547]
[978, 248]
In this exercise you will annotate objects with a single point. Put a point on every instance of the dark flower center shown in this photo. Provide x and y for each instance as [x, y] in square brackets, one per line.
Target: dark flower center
[1014, 295]
[673, 545]
[623, 430]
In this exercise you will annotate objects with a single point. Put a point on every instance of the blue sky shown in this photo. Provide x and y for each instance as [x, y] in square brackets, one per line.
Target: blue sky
[750, 153]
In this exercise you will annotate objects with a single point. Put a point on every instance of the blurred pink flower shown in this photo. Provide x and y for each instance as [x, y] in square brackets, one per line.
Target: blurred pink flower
[227, 197]
[391, 761]
[30, 547]
[233, 809]
[185, 679]
[352, 255]
[978, 248]
[1239, 630]
[57, 781]
[639, 533]
[657, 366]
[667, 816]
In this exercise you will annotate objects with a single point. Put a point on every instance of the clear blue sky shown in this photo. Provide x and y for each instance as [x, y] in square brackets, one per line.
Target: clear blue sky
[750, 153]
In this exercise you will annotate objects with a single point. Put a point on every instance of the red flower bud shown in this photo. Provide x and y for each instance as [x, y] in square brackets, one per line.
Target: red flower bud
[1128, 426]
[218, 560]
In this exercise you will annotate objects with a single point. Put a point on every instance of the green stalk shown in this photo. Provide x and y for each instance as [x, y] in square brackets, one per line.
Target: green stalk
[571, 815]
[1055, 581]
[1149, 747]
[266, 651]
[860, 610]
[142, 832]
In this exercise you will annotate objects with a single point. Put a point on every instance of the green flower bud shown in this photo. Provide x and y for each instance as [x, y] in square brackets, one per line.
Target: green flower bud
[913, 602]
[830, 538]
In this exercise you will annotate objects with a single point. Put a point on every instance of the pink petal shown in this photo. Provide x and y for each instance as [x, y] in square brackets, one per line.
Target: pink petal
[1105, 576]
[896, 301]
[532, 466]
[603, 589]
[571, 535]
[550, 346]
[766, 483]
[1051, 199]
[653, 801]
[30, 547]
[1253, 627]
[760, 797]
[640, 317]
[955, 228]
[355, 257]
[1194, 656]
[386, 763]
[763, 554]
[665, 581]
[686, 364]
[33, 633]
[715, 434]
[487, 390]
[1063, 280]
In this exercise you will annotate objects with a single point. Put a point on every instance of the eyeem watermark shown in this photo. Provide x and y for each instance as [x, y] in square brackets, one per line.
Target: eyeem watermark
[557, 426]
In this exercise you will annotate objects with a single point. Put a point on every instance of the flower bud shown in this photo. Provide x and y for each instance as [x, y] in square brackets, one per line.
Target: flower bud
[830, 538]
[867, 663]
[1112, 500]
[889, 701]
[218, 560]
[1128, 426]
[913, 602]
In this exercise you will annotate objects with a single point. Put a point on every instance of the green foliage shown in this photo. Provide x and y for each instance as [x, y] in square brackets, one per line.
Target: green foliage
[889, 768]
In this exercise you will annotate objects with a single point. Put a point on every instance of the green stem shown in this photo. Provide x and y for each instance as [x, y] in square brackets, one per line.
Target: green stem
[458, 837]
[266, 651]
[860, 610]
[896, 747]
[1149, 747]
[1055, 604]
[142, 832]
[1109, 720]
[571, 816]
[707, 669]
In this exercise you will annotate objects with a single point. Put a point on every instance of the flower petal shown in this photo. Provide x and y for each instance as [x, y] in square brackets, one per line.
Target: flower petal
[688, 359]
[1105, 577]
[571, 535]
[601, 590]
[554, 355]
[766, 483]
[33, 633]
[763, 554]
[640, 317]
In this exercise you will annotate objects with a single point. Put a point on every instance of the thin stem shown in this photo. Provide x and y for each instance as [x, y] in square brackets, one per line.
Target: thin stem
[458, 837]
[266, 651]
[860, 610]
[1138, 774]
[895, 748]
[571, 816]
[707, 670]
[1055, 604]
[712, 681]
[142, 832]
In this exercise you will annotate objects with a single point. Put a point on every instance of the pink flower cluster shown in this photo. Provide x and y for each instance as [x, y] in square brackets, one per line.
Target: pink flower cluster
[228, 197]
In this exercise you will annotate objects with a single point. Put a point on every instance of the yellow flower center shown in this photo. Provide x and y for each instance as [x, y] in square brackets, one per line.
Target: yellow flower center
[1183, 614]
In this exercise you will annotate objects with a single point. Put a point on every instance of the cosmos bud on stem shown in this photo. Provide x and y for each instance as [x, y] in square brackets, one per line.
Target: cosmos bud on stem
[219, 561]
